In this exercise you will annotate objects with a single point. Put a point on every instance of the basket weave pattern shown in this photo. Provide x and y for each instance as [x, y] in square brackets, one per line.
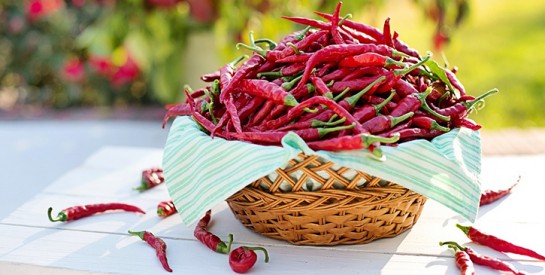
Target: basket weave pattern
[345, 206]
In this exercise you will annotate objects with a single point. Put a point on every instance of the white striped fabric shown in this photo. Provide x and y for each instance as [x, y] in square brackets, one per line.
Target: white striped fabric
[200, 172]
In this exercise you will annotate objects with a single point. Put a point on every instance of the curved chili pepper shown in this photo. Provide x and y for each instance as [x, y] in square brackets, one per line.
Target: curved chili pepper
[268, 90]
[166, 208]
[489, 196]
[383, 123]
[211, 76]
[180, 109]
[483, 259]
[413, 102]
[496, 243]
[243, 258]
[275, 137]
[369, 59]
[461, 109]
[354, 142]
[157, 243]
[247, 67]
[387, 34]
[81, 211]
[428, 123]
[210, 240]
[334, 25]
[151, 178]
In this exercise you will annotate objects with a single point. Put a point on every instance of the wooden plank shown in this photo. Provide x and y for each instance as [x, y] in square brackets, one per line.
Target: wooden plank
[123, 254]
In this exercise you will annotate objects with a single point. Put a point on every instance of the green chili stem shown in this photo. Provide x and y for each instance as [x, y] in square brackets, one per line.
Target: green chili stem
[258, 248]
[137, 233]
[405, 71]
[324, 131]
[319, 123]
[355, 98]
[271, 43]
[61, 217]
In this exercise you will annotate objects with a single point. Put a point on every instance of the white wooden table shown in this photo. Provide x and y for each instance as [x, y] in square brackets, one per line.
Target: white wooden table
[31, 244]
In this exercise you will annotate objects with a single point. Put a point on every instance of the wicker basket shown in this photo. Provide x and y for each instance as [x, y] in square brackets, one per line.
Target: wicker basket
[349, 207]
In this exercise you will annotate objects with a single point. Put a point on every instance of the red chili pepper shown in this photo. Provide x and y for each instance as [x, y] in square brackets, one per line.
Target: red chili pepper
[354, 142]
[166, 208]
[484, 260]
[246, 68]
[199, 118]
[336, 52]
[158, 244]
[413, 102]
[462, 109]
[275, 137]
[383, 123]
[268, 90]
[211, 76]
[288, 70]
[181, 109]
[428, 123]
[369, 59]
[296, 58]
[498, 244]
[369, 111]
[151, 178]
[412, 133]
[365, 71]
[81, 211]
[321, 87]
[334, 26]
[489, 196]
[337, 74]
[243, 258]
[387, 34]
[462, 259]
[210, 240]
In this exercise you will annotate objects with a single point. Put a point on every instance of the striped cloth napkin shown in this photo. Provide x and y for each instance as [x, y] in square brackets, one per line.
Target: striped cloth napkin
[201, 172]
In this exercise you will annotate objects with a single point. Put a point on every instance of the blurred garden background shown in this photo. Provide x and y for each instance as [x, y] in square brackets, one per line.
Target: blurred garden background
[106, 55]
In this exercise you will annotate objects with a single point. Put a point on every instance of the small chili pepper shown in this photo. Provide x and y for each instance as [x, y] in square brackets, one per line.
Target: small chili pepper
[463, 261]
[387, 34]
[181, 109]
[292, 69]
[413, 102]
[243, 258]
[156, 243]
[498, 244]
[199, 118]
[268, 90]
[466, 122]
[383, 123]
[334, 26]
[489, 196]
[296, 58]
[211, 76]
[151, 178]
[369, 111]
[166, 208]
[337, 74]
[81, 211]
[210, 240]
[484, 260]
[428, 123]
[321, 87]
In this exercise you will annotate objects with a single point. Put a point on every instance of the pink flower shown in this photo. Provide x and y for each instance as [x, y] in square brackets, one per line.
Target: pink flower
[36, 9]
[102, 65]
[126, 73]
[73, 70]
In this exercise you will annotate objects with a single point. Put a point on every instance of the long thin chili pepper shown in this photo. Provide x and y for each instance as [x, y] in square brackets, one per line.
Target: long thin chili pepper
[369, 59]
[156, 243]
[496, 243]
[244, 258]
[211, 76]
[248, 66]
[383, 123]
[387, 34]
[210, 240]
[268, 90]
[334, 25]
[353, 142]
[413, 102]
[81, 211]
[321, 87]
[275, 137]
[491, 195]
[484, 260]
[461, 109]
[150, 178]
[166, 208]
[428, 123]
[285, 71]
[369, 111]
[180, 109]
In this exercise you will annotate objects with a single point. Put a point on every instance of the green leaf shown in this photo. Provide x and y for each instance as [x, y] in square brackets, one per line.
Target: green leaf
[440, 73]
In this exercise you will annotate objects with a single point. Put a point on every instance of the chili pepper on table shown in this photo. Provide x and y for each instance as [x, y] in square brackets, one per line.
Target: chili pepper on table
[156, 243]
[210, 240]
[166, 208]
[81, 211]
[462, 260]
[489, 196]
[483, 259]
[151, 178]
[243, 258]
[496, 243]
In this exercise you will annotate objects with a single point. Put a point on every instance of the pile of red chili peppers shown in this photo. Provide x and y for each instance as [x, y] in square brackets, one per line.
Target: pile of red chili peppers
[338, 84]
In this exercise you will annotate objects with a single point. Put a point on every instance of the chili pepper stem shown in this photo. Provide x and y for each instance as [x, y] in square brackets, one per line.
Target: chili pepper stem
[260, 249]
[318, 123]
[254, 48]
[137, 233]
[61, 217]
[407, 70]
[290, 100]
[396, 120]
[469, 105]
[452, 245]
[271, 43]
[426, 107]
[354, 99]
[324, 131]
[225, 248]
[465, 229]
[303, 33]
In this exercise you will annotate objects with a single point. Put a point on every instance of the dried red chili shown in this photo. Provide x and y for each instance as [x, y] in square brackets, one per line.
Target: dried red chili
[489, 196]
[157, 243]
[81, 211]
[210, 240]
[496, 243]
[151, 178]
[463, 261]
[244, 258]
[166, 208]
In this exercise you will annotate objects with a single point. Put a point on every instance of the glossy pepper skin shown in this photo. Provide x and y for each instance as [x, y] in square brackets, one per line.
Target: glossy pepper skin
[166, 208]
[210, 240]
[157, 243]
[151, 178]
[82, 211]
[244, 258]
